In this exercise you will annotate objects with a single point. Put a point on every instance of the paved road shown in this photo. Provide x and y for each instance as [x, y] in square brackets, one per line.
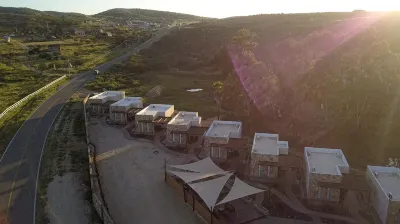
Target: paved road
[19, 166]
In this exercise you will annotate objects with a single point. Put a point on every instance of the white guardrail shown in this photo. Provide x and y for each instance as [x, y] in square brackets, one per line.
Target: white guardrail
[29, 96]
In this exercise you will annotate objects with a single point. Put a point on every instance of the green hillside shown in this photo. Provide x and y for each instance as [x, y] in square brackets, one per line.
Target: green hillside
[25, 19]
[317, 79]
[145, 15]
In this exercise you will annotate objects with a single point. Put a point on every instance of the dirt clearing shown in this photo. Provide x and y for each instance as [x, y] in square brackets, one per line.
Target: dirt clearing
[132, 176]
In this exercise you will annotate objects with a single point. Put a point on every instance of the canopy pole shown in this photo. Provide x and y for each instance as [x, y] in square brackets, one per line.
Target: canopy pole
[165, 169]
[211, 213]
[184, 193]
[193, 199]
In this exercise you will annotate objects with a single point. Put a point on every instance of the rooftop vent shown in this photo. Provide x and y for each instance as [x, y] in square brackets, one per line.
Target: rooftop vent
[376, 174]
[215, 133]
[308, 154]
[313, 169]
[258, 137]
[237, 125]
[390, 196]
[153, 106]
[339, 155]
[183, 114]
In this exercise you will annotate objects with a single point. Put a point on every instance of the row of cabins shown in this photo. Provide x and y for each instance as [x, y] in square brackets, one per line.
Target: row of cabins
[326, 173]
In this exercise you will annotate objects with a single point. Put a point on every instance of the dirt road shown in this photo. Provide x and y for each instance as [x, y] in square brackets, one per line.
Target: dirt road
[132, 176]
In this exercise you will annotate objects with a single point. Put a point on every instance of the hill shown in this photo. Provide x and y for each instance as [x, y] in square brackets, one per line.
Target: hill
[25, 19]
[120, 14]
[317, 79]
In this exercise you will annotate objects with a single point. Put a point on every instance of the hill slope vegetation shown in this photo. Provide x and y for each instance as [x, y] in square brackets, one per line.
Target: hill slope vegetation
[120, 14]
[321, 79]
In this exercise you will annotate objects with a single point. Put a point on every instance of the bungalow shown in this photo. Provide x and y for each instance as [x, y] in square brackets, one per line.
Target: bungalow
[268, 155]
[151, 117]
[100, 103]
[120, 110]
[185, 127]
[223, 139]
[385, 192]
[324, 171]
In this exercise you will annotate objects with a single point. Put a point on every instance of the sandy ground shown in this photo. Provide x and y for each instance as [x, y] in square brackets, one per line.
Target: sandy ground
[132, 176]
[65, 198]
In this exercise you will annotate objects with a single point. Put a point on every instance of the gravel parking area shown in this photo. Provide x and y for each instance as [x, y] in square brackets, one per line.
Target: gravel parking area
[132, 177]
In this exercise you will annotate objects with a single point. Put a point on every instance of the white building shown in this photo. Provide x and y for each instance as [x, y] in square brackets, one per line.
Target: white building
[99, 103]
[324, 166]
[265, 154]
[120, 109]
[223, 137]
[151, 116]
[178, 127]
[385, 192]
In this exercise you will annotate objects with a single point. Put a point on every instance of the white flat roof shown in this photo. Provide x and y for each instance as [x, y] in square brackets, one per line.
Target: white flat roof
[224, 129]
[389, 180]
[127, 101]
[153, 109]
[265, 143]
[184, 117]
[326, 161]
[106, 94]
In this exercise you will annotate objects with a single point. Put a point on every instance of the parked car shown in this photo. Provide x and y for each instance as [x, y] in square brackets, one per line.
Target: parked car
[96, 72]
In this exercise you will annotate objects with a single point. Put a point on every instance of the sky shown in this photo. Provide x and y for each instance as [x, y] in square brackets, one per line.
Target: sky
[208, 8]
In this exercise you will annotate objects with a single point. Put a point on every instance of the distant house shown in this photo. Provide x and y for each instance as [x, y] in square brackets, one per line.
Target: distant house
[96, 32]
[106, 34]
[7, 39]
[79, 32]
[55, 48]
[138, 24]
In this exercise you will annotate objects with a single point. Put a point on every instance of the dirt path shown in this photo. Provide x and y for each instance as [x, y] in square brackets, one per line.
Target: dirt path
[65, 198]
[132, 177]
[64, 176]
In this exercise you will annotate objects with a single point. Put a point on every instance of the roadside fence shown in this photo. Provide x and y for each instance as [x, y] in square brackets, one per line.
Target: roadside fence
[30, 96]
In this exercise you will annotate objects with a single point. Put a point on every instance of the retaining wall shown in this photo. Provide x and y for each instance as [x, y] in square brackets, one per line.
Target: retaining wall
[97, 194]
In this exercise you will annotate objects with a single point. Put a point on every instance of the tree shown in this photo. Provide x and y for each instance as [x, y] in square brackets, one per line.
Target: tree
[218, 88]
[243, 43]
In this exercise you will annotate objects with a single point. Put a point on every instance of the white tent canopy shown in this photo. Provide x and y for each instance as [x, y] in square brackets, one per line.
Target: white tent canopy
[209, 190]
[239, 190]
[190, 177]
[204, 166]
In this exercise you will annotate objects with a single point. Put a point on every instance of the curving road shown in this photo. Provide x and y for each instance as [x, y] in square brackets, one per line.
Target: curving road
[20, 164]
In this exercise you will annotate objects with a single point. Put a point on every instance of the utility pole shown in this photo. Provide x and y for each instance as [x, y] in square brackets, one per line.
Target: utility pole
[69, 68]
